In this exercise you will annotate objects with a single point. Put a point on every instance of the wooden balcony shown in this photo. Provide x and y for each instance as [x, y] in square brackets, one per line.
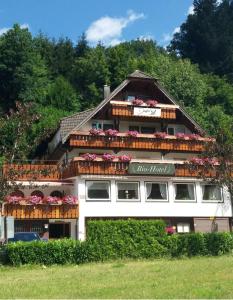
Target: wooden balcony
[126, 110]
[41, 211]
[78, 166]
[40, 172]
[146, 142]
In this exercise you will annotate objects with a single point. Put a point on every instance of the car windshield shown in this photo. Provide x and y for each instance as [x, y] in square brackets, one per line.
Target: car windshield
[26, 236]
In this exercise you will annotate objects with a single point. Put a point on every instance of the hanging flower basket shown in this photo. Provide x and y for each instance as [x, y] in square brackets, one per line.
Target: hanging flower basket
[13, 199]
[95, 132]
[124, 158]
[160, 135]
[71, 200]
[111, 132]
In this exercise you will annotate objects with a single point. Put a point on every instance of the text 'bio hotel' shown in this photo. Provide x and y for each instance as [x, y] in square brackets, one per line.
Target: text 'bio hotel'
[124, 158]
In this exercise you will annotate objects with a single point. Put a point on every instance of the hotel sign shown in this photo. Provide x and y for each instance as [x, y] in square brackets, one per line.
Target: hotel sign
[151, 169]
[146, 112]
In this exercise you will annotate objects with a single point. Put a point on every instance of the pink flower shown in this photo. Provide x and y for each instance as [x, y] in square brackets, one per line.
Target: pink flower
[151, 103]
[160, 135]
[124, 158]
[52, 200]
[111, 132]
[89, 156]
[95, 131]
[34, 199]
[108, 157]
[70, 200]
[194, 136]
[138, 102]
[132, 133]
[180, 135]
[13, 199]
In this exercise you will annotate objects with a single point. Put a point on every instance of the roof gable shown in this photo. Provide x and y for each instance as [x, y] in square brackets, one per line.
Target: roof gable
[74, 122]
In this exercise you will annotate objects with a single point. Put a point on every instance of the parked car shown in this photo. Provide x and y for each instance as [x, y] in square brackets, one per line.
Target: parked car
[25, 237]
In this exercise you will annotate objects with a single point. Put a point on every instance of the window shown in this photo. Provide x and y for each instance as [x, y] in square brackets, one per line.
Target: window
[184, 191]
[128, 191]
[134, 128]
[130, 98]
[156, 191]
[17, 193]
[183, 227]
[211, 193]
[174, 129]
[108, 126]
[105, 125]
[57, 194]
[97, 190]
[147, 130]
[38, 194]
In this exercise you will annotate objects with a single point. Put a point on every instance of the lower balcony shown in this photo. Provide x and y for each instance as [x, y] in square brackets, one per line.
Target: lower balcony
[41, 211]
[31, 171]
[78, 166]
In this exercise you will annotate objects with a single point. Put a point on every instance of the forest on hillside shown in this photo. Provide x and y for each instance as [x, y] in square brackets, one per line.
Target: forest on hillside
[61, 78]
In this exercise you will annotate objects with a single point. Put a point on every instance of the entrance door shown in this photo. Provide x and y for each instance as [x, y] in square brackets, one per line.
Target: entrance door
[59, 230]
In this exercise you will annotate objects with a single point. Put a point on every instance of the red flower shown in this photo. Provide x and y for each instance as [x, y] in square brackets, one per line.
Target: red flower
[89, 156]
[151, 103]
[132, 133]
[138, 102]
[111, 132]
[160, 135]
[95, 131]
[124, 158]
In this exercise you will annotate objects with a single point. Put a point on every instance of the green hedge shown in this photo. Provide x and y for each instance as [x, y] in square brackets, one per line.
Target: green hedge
[120, 239]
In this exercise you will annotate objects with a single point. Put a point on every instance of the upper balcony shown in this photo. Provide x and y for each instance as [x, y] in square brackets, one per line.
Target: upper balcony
[147, 142]
[127, 110]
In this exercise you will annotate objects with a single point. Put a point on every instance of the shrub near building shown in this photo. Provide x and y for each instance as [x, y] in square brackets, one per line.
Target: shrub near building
[120, 239]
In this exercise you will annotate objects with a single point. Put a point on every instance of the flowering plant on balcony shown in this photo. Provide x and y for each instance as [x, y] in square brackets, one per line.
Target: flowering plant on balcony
[95, 131]
[89, 156]
[34, 199]
[108, 157]
[151, 103]
[13, 199]
[111, 132]
[181, 136]
[70, 200]
[124, 158]
[132, 133]
[194, 136]
[203, 161]
[138, 102]
[52, 200]
[160, 135]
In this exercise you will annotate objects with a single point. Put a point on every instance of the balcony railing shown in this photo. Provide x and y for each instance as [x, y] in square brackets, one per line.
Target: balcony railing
[142, 142]
[41, 211]
[31, 171]
[78, 166]
[126, 109]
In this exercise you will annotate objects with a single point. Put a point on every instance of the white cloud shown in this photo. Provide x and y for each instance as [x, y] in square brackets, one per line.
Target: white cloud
[5, 29]
[190, 10]
[167, 37]
[109, 29]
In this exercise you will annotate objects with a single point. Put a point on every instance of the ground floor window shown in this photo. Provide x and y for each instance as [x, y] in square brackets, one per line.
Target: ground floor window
[97, 190]
[184, 191]
[156, 191]
[128, 191]
[211, 193]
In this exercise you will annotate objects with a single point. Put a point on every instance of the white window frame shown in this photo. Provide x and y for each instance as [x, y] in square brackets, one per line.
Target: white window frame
[102, 122]
[212, 201]
[128, 200]
[156, 200]
[175, 128]
[98, 199]
[184, 201]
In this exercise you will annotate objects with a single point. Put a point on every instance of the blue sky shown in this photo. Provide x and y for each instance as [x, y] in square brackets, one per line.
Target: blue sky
[105, 20]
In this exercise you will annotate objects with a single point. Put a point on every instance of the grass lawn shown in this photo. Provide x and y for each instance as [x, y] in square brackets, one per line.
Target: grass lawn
[210, 277]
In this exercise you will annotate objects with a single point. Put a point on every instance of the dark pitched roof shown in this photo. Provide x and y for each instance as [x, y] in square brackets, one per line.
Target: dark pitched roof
[67, 124]
[75, 121]
[141, 75]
